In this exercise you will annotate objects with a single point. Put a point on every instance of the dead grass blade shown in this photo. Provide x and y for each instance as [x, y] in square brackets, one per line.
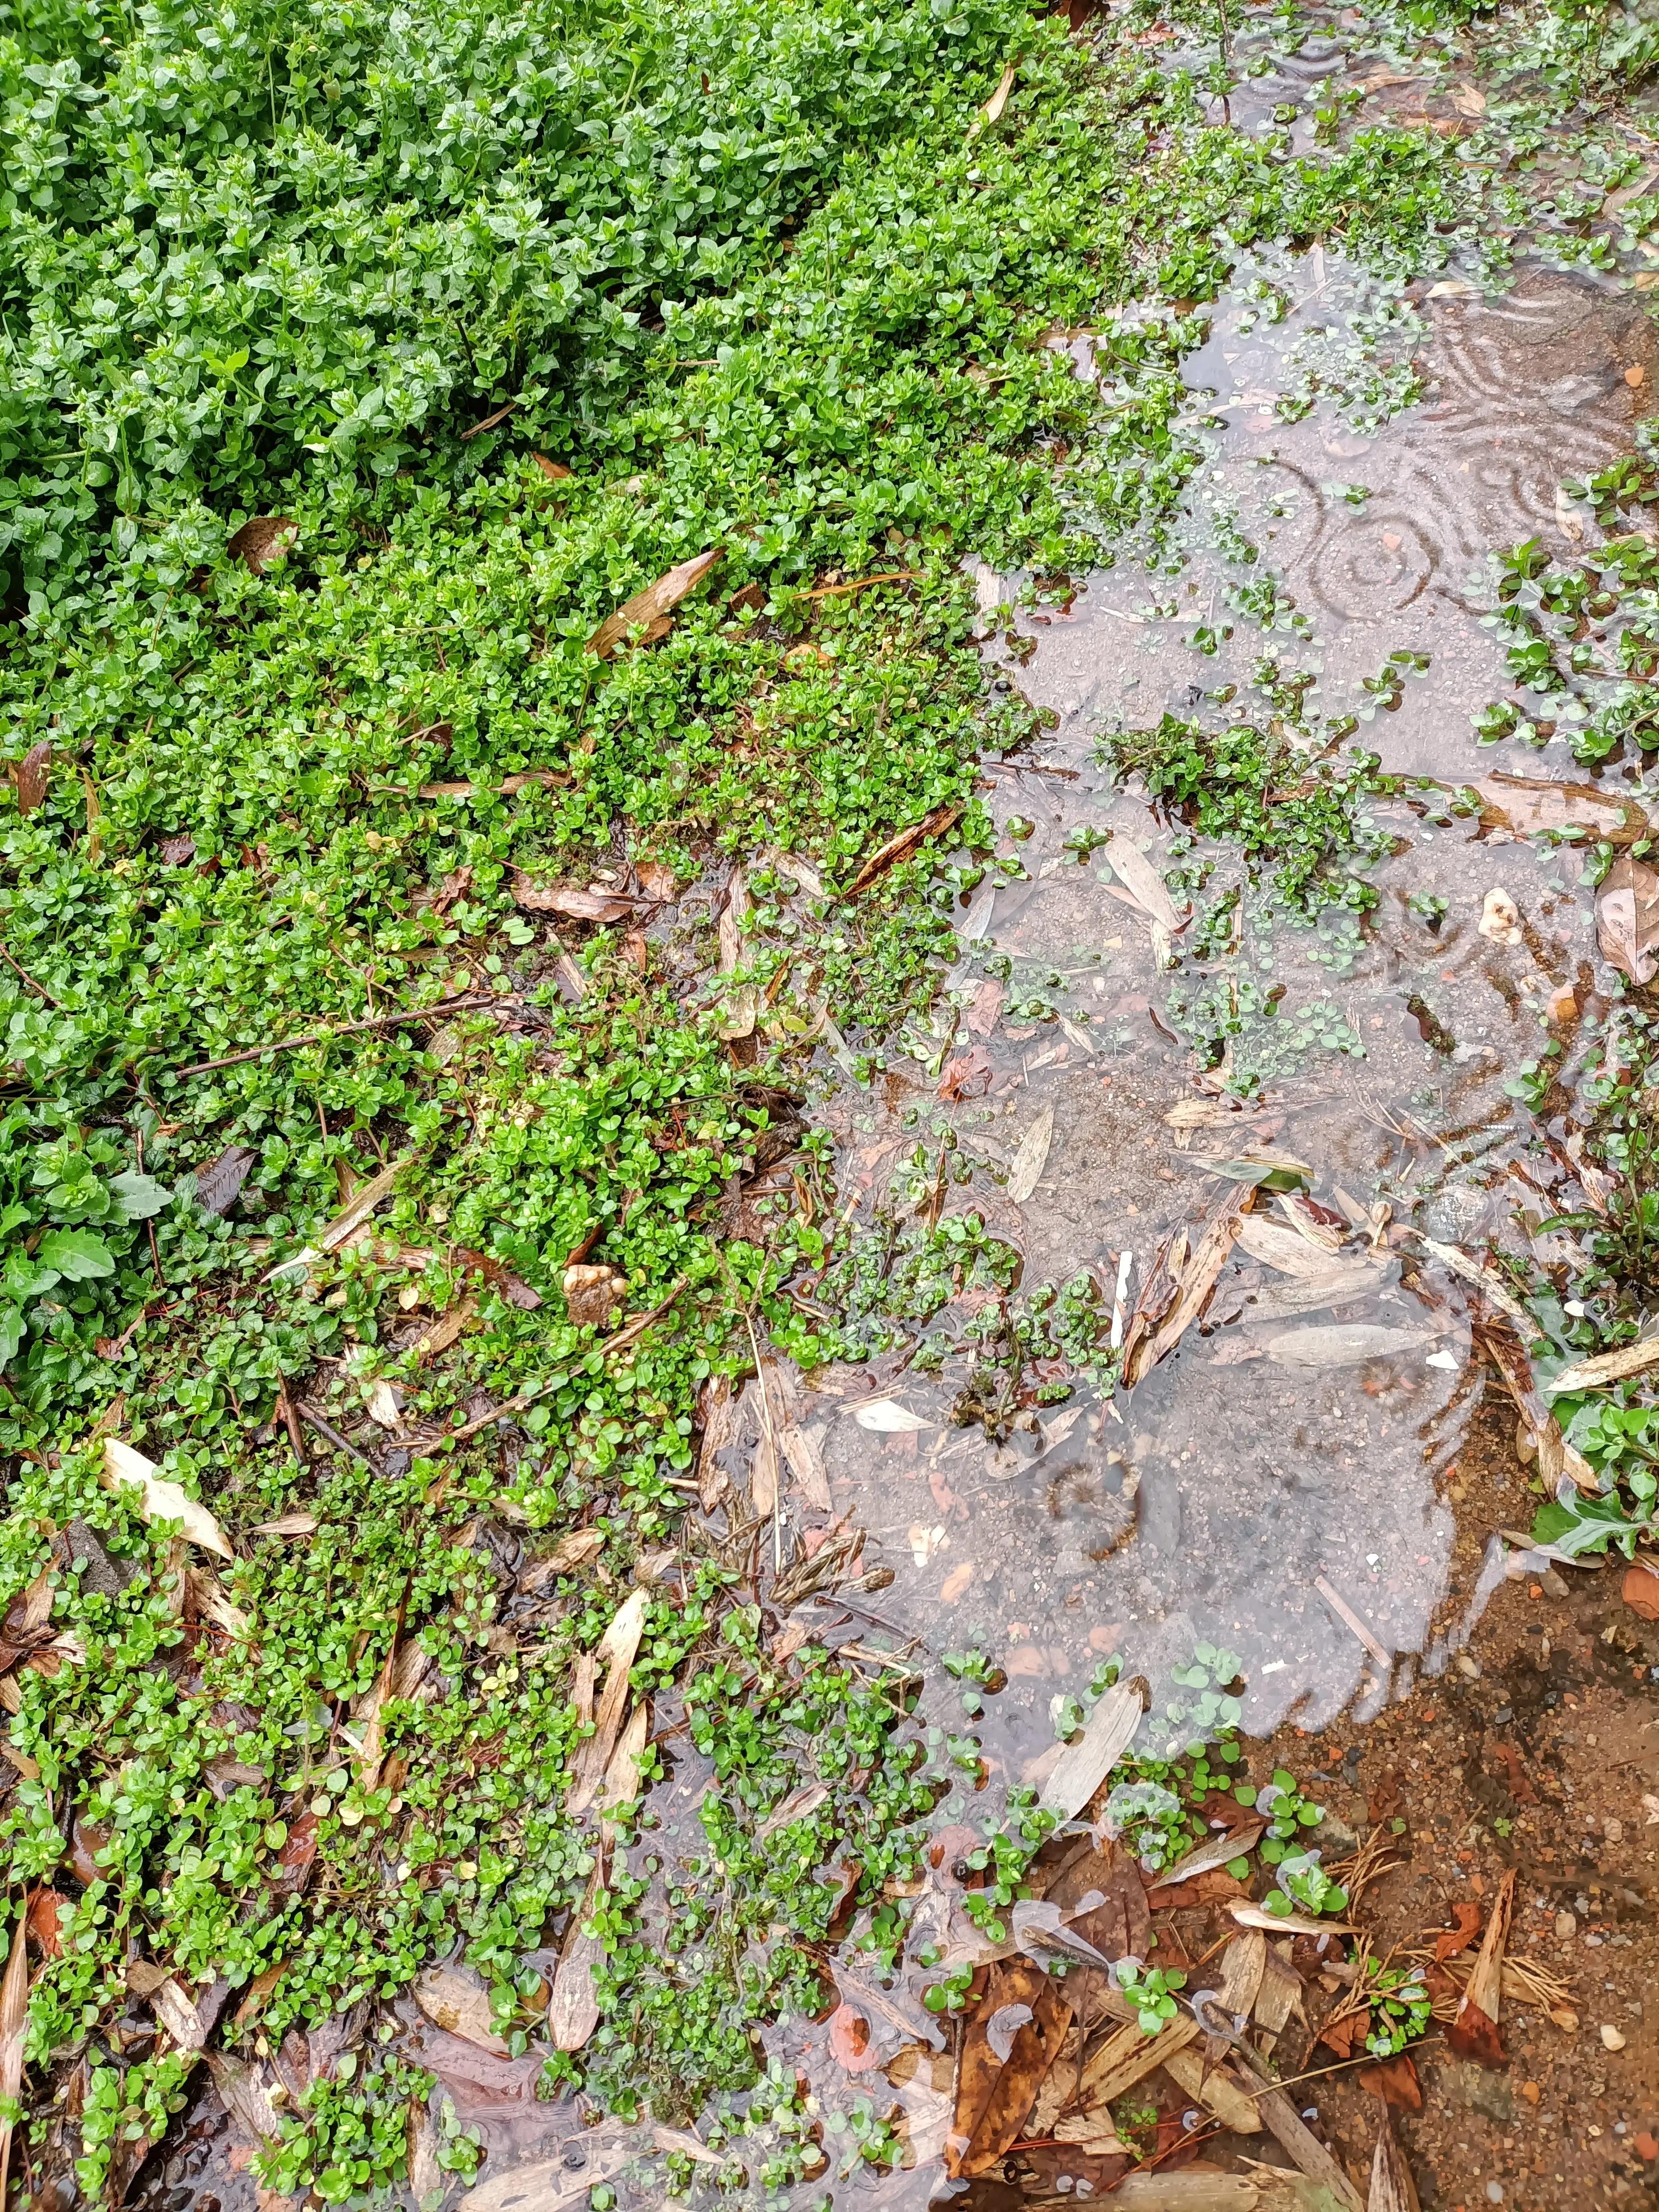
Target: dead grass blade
[573, 2009]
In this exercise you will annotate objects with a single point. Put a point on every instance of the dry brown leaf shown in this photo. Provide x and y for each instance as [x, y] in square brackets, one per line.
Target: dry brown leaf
[1279, 2113]
[555, 472]
[1204, 1857]
[592, 1293]
[799, 1448]
[34, 775]
[652, 606]
[266, 538]
[1281, 1246]
[617, 1652]
[1627, 918]
[901, 847]
[1474, 2033]
[1343, 1344]
[1608, 1367]
[742, 1005]
[14, 2028]
[1085, 1765]
[621, 1785]
[992, 110]
[458, 2003]
[1143, 880]
[1527, 805]
[1030, 1158]
[573, 2009]
[993, 2094]
[720, 1422]
[571, 900]
[1197, 1278]
[1129, 2055]
[1392, 2188]
[1214, 2087]
[163, 1500]
[245, 2092]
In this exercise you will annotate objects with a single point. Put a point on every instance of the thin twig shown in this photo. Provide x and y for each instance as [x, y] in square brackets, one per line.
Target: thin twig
[517, 1405]
[345, 1028]
[330, 1434]
[30, 980]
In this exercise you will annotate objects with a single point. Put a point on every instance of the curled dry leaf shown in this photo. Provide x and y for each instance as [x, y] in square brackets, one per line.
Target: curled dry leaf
[650, 609]
[266, 538]
[1284, 1923]
[34, 775]
[1474, 2033]
[163, 1500]
[1627, 919]
[555, 472]
[570, 900]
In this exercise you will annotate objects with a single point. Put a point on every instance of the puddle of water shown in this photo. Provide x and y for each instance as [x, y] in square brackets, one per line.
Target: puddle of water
[1236, 1496]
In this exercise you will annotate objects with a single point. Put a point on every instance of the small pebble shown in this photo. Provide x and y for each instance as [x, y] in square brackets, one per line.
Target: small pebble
[1494, 2192]
[1611, 2038]
[1566, 1927]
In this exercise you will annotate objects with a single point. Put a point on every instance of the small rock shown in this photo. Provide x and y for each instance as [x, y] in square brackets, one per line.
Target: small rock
[1494, 2192]
[1500, 918]
[1646, 2147]
[1472, 2085]
[1611, 2038]
[1563, 1004]
[1335, 1836]
[1614, 1831]
[1555, 1585]
[1531, 2092]
[1566, 1926]
[1467, 1666]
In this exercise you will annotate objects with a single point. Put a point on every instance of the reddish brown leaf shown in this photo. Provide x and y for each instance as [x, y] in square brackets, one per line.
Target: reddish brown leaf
[993, 2095]
[555, 472]
[34, 774]
[262, 541]
[1395, 2080]
[1641, 1591]
[294, 1860]
[1451, 1941]
[1520, 1784]
[43, 1921]
[1346, 2034]
[1215, 1888]
[851, 2044]
[968, 1076]
[1473, 2034]
[986, 1011]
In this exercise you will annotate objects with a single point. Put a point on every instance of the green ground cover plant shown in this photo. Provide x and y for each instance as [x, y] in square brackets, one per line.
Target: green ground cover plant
[359, 363]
